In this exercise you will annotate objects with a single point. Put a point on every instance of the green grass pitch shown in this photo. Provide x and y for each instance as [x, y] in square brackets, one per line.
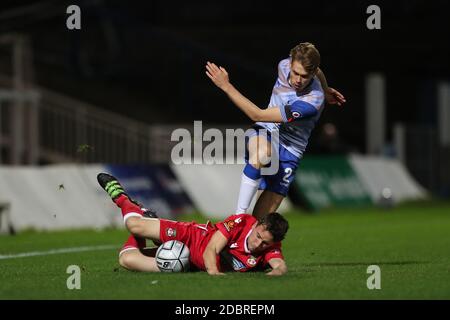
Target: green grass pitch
[327, 254]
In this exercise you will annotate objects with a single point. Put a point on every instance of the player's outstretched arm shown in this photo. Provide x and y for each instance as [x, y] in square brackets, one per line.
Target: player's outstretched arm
[279, 267]
[332, 96]
[219, 76]
[215, 245]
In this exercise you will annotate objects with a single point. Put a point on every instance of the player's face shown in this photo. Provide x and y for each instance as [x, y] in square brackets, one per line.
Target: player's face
[299, 77]
[259, 239]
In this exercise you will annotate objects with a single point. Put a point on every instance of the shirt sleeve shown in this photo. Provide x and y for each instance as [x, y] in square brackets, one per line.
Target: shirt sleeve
[274, 253]
[283, 73]
[231, 225]
[303, 107]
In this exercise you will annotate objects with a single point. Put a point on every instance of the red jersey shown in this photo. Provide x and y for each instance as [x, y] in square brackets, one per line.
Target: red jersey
[234, 256]
[195, 236]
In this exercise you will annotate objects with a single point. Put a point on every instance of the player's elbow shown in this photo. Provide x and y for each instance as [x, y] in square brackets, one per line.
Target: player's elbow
[266, 115]
[256, 115]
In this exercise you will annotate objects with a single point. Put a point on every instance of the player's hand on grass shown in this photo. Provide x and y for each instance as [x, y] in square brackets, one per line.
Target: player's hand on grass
[333, 96]
[275, 272]
[216, 273]
[218, 75]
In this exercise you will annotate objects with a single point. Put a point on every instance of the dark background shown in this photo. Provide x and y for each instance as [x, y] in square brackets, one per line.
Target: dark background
[146, 59]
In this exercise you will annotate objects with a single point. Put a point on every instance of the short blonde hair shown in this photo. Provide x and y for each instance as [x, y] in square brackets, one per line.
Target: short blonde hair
[307, 54]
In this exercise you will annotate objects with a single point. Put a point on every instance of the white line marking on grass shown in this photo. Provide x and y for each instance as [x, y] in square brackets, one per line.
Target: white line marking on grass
[57, 251]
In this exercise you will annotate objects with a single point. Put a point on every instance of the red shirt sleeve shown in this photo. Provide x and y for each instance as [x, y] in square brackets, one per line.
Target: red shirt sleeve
[231, 225]
[273, 253]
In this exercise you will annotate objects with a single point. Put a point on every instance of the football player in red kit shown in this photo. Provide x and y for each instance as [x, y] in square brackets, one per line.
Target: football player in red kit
[239, 243]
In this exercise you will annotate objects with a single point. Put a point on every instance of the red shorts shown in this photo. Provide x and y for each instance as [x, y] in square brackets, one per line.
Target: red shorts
[195, 236]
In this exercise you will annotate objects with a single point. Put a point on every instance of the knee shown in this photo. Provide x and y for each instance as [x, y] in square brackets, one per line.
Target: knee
[260, 157]
[126, 259]
[134, 225]
[264, 156]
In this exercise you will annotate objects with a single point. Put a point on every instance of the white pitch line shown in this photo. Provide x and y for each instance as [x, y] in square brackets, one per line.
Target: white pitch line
[57, 251]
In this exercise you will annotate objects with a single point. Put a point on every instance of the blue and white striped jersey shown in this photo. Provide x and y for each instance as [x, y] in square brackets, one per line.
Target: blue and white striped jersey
[300, 110]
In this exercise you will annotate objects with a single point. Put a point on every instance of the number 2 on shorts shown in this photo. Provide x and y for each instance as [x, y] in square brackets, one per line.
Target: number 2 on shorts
[288, 172]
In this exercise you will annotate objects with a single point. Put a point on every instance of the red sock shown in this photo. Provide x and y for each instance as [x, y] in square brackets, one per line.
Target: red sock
[134, 242]
[124, 203]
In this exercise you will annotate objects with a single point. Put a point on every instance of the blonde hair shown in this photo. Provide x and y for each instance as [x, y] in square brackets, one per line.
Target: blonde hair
[307, 54]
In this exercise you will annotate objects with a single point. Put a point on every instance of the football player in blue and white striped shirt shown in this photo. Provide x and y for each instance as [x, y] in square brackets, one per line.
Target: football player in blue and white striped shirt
[295, 106]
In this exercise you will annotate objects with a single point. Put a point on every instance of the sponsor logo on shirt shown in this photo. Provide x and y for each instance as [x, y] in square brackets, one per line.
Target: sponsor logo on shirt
[229, 225]
[171, 232]
[237, 264]
[233, 245]
[251, 261]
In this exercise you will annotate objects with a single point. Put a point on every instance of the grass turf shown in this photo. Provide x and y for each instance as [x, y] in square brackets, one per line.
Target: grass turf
[327, 254]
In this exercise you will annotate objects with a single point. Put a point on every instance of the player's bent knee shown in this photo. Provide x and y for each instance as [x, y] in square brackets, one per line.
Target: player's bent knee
[126, 259]
[254, 161]
[260, 157]
[122, 261]
[135, 226]
[264, 158]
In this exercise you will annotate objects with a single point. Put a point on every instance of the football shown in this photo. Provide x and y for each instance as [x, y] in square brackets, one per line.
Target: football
[173, 256]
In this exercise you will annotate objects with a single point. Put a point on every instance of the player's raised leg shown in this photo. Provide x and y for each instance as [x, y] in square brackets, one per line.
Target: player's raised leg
[275, 187]
[131, 211]
[259, 150]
